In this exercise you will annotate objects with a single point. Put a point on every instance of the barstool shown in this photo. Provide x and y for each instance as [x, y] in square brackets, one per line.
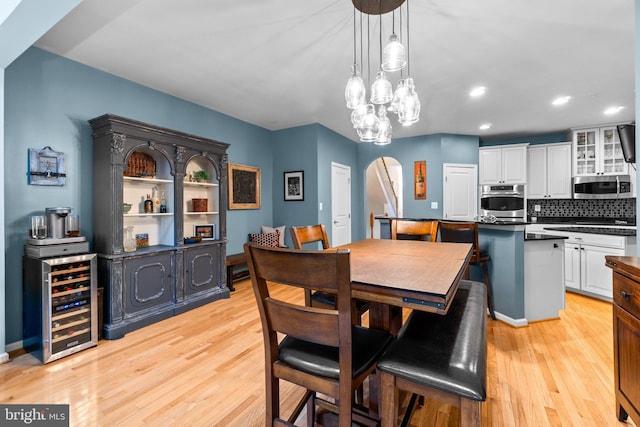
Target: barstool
[467, 232]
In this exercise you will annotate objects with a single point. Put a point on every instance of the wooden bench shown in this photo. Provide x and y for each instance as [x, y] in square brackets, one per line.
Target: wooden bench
[233, 260]
[440, 357]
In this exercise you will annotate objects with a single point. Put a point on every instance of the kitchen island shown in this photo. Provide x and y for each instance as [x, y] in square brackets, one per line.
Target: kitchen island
[518, 294]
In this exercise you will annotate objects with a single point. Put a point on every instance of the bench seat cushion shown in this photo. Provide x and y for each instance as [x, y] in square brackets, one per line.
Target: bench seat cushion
[448, 353]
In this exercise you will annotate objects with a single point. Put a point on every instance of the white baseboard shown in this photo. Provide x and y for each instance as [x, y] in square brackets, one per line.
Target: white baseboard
[518, 323]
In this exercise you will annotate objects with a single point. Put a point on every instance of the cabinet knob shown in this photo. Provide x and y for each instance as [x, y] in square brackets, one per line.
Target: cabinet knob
[625, 295]
[555, 245]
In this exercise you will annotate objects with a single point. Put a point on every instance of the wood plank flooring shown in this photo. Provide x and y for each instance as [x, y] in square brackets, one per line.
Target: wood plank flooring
[205, 368]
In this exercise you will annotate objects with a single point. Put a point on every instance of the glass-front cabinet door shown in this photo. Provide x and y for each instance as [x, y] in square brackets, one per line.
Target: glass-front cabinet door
[585, 142]
[612, 158]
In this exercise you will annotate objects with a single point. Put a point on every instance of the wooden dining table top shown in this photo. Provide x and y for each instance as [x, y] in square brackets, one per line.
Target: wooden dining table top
[407, 273]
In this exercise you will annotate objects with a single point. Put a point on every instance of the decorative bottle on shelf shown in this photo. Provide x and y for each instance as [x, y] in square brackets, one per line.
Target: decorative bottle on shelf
[163, 202]
[148, 204]
[129, 241]
[419, 183]
[156, 200]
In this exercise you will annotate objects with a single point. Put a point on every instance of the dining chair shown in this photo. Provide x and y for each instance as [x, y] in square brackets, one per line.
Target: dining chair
[322, 351]
[406, 229]
[318, 233]
[467, 232]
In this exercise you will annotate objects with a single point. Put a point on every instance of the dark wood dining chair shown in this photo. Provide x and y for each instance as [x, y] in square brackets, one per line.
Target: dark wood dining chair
[467, 232]
[322, 350]
[305, 235]
[405, 229]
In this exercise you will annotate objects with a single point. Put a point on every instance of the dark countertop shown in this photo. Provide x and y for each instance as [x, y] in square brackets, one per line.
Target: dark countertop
[538, 236]
[585, 220]
[596, 230]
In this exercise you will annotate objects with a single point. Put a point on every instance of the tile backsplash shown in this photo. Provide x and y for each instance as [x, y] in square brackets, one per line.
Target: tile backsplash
[600, 208]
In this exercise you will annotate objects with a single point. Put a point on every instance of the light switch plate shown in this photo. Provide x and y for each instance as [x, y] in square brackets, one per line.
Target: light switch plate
[434, 205]
[320, 205]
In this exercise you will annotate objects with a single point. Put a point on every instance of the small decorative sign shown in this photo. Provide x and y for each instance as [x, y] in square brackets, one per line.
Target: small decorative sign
[46, 167]
[142, 240]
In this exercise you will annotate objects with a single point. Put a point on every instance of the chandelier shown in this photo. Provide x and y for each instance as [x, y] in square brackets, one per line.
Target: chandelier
[369, 116]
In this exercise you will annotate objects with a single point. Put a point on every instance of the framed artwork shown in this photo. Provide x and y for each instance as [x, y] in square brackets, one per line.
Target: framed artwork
[46, 167]
[206, 231]
[294, 185]
[420, 180]
[244, 187]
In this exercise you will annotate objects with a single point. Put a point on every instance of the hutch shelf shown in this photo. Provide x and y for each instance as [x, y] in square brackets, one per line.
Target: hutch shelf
[161, 276]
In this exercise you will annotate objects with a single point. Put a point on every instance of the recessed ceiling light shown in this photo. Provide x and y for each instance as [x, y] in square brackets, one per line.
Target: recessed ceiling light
[485, 126]
[613, 110]
[477, 91]
[561, 100]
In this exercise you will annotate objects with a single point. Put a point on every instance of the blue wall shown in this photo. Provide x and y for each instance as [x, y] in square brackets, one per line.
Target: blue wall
[435, 150]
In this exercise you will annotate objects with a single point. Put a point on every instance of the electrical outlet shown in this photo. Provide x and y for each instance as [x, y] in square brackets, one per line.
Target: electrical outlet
[536, 208]
[434, 205]
[320, 206]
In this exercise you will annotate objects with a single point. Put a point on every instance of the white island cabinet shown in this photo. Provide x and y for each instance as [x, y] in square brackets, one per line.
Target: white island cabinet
[544, 292]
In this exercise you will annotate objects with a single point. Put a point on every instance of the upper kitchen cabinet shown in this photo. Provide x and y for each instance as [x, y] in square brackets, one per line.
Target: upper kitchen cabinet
[549, 171]
[503, 165]
[597, 151]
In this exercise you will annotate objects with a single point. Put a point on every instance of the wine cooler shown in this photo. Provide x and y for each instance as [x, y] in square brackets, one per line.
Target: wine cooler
[60, 305]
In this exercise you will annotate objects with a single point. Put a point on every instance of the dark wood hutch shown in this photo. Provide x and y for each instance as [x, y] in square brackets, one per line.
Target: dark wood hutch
[163, 276]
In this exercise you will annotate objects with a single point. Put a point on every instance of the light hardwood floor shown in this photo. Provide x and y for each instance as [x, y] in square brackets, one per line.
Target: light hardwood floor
[205, 368]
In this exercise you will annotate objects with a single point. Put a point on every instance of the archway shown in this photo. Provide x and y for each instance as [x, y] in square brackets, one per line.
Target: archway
[383, 192]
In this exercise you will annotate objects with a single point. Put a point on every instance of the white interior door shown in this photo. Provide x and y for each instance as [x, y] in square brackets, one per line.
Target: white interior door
[460, 192]
[340, 204]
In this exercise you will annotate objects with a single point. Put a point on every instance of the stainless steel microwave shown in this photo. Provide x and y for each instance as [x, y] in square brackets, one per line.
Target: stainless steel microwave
[602, 187]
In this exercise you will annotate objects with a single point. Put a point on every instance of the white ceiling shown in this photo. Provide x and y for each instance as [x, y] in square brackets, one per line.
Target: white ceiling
[284, 63]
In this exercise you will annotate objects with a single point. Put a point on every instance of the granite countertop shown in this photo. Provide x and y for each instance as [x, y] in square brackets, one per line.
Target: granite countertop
[612, 231]
[538, 236]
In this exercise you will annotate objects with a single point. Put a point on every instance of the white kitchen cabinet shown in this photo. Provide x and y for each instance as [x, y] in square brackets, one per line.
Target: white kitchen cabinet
[549, 171]
[503, 164]
[584, 261]
[597, 151]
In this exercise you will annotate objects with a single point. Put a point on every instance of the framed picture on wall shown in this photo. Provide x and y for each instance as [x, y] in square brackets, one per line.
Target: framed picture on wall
[244, 187]
[294, 185]
[420, 180]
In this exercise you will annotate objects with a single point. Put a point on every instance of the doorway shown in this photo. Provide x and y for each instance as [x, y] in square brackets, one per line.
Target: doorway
[383, 192]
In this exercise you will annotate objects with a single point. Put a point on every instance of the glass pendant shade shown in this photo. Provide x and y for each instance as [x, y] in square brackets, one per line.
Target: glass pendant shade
[370, 129]
[381, 90]
[355, 91]
[393, 56]
[409, 106]
[400, 92]
[385, 127]
[357, 115]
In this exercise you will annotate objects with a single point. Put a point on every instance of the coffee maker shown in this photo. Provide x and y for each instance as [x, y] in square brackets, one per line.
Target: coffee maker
[56, 222]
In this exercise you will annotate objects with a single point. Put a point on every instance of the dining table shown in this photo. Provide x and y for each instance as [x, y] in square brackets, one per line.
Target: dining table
[396, 274]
